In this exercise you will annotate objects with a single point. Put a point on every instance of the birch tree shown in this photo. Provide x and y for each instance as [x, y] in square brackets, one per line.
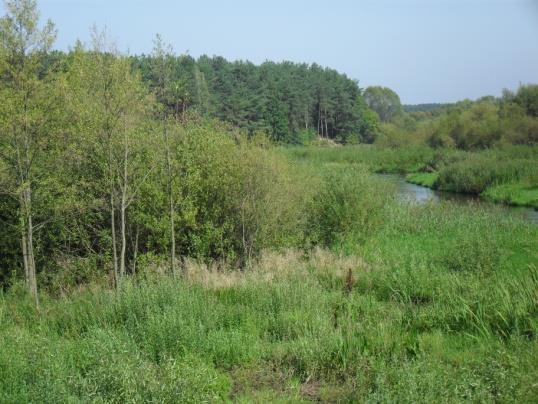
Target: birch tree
[25, 118]
[112, 103]
[162, 72]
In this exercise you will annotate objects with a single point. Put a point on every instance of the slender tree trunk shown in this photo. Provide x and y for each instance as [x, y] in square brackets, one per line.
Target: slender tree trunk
[171, 203]
[27, 242]
[172, 235]
[24, 246]
[30, 249]
[135, 249]
[123, 237]
[326, 127]
[123, 209]
[22, 223]
[26, 209]
[113, 230]
[113, 219]
[243, 230]
[319, 119]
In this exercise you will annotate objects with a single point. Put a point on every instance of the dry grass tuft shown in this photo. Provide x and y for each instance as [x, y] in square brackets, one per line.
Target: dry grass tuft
[339, 265]
[272, 266]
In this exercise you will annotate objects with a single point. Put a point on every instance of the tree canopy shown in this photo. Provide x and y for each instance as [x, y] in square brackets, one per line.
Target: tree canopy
[282, 99]
[385, 102]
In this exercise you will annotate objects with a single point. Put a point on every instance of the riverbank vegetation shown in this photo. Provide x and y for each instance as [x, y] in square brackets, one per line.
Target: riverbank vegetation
[429, 306]
[505, 174]
[160, 248]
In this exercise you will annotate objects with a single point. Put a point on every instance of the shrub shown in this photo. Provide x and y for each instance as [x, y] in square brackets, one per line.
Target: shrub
[477, 128]
[348, 207]
[476, 172]
[527, 97]
[233, 197]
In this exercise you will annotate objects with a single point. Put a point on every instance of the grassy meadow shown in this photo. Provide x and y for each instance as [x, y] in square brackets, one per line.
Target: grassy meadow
[385, 301]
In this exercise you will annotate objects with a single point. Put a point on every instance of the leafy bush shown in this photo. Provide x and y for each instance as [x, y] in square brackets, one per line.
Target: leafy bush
[348, 207]
[527, 98]
[477, 128]
[234, 197]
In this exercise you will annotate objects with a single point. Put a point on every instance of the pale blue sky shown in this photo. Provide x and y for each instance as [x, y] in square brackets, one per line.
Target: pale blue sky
[426, 50]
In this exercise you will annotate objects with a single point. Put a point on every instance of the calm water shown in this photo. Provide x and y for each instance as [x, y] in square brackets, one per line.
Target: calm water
[416, 193]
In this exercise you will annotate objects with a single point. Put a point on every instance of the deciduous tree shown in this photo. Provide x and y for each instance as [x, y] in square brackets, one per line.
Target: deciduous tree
[26, 119]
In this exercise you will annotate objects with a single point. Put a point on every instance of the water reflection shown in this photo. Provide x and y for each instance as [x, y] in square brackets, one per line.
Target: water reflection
[417, 194]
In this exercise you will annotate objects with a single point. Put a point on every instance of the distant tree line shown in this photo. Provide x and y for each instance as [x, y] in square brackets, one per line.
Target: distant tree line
[288, 101]
[467, 125]
[423, 107]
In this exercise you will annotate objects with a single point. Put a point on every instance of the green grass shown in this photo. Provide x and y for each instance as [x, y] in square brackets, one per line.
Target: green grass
[383, 302]
[440, 306]
[424, 179]
[444, 169]
[513, 194]
[377, 159]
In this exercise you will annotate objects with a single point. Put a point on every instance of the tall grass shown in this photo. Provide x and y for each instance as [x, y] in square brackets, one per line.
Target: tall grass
[377, 159]
[374, 301]
[476, 173]
[445, 169]
[439, 303]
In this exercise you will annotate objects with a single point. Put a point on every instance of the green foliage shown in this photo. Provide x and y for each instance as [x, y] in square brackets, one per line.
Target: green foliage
[527, 98]
[30, 140]
[370, 127]
[283, 99]
[234, 197]
[411, 325]
[477, 172]
[474, 251]
[518, 194]
[477, 128]
[277, 119]
[506, 174]
[377, 159]
[444, 169]
[348, 207]
[392, 136]
[423, 107]
[9, 241]
[302, 277]
[306, 137]
[385, 102]
[485, 123]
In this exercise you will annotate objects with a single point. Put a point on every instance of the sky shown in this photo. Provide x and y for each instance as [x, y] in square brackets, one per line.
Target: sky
[425, 50]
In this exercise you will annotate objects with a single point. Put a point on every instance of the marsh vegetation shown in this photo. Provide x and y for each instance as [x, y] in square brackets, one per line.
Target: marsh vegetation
[167, 236]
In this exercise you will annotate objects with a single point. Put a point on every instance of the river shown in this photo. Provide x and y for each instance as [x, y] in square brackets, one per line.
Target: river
[418, 194]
